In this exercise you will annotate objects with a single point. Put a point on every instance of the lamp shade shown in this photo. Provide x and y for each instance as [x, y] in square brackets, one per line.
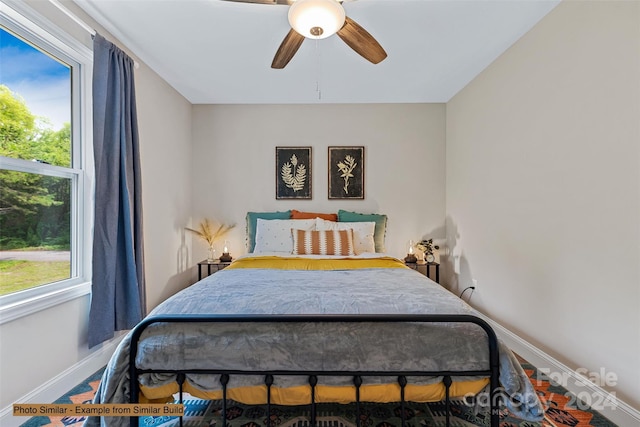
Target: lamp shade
[317, 19]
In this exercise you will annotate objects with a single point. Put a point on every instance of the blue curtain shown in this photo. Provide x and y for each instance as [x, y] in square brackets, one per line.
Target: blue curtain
[118, 288]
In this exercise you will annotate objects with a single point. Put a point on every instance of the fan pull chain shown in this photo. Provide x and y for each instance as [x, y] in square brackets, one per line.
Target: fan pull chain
[318, 89]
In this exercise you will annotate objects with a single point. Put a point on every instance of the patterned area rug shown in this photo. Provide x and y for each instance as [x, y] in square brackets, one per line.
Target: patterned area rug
[562, 410]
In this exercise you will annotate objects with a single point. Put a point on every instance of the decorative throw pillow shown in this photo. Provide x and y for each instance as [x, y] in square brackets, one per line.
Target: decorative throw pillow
[379, 219]
[252, 217]
[362, 233]
[325, 242]
[274, 235]
[311, 215]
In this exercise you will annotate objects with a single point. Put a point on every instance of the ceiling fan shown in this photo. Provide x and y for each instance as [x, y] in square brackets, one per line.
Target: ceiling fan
[318, 19]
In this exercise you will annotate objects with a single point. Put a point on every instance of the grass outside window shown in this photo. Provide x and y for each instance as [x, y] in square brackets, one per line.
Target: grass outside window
[18, 275]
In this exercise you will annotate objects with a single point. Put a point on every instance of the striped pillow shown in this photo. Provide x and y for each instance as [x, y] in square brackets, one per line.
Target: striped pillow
[325, 242]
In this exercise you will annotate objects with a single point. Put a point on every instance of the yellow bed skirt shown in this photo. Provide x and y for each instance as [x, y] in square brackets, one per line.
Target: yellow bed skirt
[301, 395]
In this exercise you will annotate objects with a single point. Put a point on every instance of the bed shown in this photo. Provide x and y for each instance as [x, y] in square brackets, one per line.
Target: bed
[293, 329]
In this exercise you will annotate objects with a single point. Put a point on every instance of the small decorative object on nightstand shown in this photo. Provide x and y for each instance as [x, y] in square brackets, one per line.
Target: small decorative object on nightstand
[225, 257]
[210, 231]
[411, 257]
[427, 247]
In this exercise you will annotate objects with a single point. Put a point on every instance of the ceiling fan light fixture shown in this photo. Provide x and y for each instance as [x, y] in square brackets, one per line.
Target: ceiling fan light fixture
[317, 19]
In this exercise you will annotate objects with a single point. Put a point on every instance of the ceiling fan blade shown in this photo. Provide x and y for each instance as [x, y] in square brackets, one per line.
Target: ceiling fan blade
[287, 49]
[285, 2]
[361, 41]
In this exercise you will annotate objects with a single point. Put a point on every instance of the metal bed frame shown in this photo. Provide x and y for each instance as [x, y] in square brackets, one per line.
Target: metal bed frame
[492, 370]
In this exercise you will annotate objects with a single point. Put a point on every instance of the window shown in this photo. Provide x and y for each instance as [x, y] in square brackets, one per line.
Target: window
[44, 220]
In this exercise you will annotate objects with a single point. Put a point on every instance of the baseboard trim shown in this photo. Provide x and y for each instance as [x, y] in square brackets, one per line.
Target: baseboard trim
[61, 383]
[616, 410]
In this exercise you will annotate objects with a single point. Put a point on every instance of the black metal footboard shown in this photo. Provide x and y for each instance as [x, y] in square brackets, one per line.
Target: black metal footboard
[492, 370]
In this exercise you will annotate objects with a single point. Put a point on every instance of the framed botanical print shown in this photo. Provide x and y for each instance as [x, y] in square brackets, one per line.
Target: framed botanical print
[293, 173]
[346, 172]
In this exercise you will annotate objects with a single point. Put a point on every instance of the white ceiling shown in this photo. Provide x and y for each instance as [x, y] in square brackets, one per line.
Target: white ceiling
[218, 52]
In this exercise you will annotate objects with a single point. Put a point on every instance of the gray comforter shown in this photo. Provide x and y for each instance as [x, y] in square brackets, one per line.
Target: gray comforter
[378, 346]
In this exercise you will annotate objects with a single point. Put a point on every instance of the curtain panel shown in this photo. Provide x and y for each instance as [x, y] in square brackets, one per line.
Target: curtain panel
[118, 300]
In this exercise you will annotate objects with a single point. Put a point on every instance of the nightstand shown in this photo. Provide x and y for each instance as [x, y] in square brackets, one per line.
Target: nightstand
[426, 269]
[212, 267]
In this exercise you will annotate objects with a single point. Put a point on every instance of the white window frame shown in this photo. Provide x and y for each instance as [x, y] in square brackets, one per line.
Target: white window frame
[29, 24]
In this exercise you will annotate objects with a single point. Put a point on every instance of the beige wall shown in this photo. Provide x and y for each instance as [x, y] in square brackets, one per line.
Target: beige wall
[37, 348]
[234, 158]
[164, 118]
[543, 188]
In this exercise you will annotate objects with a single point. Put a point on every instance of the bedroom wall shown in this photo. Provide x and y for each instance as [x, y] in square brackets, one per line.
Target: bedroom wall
[234, 163]
[543, 189]
[37, 348]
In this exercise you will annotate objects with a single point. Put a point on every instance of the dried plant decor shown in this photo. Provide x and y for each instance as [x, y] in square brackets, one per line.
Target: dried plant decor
[211, 231]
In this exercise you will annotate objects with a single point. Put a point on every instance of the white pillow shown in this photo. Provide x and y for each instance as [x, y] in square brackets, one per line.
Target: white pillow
[362, 233]
[274, 235]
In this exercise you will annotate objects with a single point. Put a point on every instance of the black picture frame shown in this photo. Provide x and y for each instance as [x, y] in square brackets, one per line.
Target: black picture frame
[293, 173]
[346, 172]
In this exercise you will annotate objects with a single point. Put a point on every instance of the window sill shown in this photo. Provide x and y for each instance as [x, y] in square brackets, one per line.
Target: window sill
[25, 307]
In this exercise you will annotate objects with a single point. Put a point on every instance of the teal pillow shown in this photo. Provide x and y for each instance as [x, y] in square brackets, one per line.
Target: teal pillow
[252, 221]
[379, 219]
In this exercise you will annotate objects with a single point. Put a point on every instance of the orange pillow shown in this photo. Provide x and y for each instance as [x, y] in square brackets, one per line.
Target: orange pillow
[310, 215]
[325, 242]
